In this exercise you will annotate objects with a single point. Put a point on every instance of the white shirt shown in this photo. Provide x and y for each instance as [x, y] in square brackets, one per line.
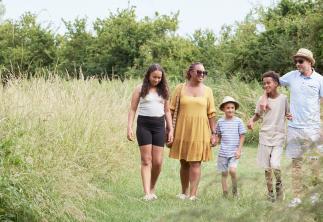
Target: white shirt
[152, 105]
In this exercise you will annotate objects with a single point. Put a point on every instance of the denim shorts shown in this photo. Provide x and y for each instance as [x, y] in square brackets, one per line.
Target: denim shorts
[224, 163]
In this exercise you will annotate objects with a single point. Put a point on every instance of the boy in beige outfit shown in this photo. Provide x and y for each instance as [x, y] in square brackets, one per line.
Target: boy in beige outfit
[272, 133]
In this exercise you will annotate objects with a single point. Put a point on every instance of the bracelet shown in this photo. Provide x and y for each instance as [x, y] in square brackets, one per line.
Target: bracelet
[213, 132]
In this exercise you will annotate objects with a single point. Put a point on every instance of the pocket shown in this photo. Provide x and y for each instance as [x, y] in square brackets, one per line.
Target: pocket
[311, 89]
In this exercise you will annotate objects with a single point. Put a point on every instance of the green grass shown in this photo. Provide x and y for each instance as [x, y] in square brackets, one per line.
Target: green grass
[125, 203]
[64, 157]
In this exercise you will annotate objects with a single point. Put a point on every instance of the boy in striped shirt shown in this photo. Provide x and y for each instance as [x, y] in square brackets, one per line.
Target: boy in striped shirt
[230, 130]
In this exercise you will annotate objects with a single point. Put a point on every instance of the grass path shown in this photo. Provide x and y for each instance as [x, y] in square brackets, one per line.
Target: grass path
[124, 196]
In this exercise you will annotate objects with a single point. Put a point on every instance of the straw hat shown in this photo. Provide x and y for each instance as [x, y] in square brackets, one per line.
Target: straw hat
[229, 99]
[305, 53]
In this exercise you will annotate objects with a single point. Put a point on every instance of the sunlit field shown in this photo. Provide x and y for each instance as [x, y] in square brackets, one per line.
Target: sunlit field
[65, 157]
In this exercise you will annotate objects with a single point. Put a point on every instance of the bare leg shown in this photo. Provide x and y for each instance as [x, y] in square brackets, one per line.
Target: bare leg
[157, 162]
[224, 183]
[184, 174]
[269, 180]
[315, 169]
[145, 153]
[297, 176]
[279, 185]
[194, 176]
[234, 179]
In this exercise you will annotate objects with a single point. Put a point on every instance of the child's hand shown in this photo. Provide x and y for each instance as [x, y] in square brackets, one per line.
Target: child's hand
[250, 124]
[289, 116]
[238, 154]
[214, 140]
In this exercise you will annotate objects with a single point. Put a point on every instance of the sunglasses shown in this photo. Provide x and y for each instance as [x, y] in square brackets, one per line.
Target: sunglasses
[299, 61]
[200, 72]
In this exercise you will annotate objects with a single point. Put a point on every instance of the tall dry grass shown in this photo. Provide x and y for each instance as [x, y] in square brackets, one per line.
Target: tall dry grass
[58, 139]
[62, 141]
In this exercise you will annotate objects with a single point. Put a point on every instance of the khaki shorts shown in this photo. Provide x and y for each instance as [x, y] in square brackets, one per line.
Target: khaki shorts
[269, 156]
[301, 141]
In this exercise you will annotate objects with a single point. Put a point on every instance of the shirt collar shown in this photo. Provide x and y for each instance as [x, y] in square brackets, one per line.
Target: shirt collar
[307, 77]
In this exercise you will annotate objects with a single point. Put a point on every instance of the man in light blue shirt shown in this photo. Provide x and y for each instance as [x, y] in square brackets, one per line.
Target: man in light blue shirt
[306, 91]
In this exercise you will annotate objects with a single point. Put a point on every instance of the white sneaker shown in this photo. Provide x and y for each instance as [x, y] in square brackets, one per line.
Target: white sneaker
[315, 198]
[147, 197]
[153, 196]
[295, 202]
[193, 198]
[182, 196]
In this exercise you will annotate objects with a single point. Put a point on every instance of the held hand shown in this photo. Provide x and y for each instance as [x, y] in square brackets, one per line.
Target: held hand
[170, 136]
[289, 116]
[130, 135]
[238, 154]
[250, 124]
[264, 103]
[214, 140]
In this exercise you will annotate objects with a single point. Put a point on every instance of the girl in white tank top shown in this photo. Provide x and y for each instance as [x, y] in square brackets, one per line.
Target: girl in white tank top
[151, 100]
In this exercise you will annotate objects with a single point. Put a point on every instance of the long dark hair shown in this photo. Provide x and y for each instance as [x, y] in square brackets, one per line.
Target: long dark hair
[162, 87]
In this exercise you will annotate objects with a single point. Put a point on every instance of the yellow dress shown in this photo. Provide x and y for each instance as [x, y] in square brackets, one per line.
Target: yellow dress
[192, 131]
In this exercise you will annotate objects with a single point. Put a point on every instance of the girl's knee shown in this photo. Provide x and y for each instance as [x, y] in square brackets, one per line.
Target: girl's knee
[146, 161]
[157, 164]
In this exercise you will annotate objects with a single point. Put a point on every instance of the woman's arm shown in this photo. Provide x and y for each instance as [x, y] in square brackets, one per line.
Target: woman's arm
[214, 138]
[169, 124]
[133, 108]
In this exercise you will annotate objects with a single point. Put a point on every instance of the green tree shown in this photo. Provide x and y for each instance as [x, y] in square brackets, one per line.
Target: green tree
[25, 46]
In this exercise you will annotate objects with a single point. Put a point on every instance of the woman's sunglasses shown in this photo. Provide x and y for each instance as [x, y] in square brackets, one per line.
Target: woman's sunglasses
[200, 72]
[299, 61]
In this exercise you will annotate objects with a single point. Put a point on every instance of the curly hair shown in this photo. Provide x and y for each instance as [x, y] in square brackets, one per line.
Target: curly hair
[275, 76]
[192, 67]
[162, 87]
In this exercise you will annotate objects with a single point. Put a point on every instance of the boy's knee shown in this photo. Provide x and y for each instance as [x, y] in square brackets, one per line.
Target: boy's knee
[224, 174]
[233, 171]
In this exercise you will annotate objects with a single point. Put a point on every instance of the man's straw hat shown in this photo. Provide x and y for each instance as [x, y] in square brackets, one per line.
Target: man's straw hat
[305, 53]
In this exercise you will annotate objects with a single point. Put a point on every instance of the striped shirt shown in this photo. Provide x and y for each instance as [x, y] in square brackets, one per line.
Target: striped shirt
[230, 131]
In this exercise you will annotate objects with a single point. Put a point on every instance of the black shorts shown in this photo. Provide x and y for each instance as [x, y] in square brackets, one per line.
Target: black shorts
[151, 130]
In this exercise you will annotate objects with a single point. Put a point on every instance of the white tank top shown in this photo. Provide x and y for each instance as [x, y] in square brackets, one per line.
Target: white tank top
[151, 105]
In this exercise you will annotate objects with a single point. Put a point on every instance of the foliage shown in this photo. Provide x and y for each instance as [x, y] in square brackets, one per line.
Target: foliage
[122, 46]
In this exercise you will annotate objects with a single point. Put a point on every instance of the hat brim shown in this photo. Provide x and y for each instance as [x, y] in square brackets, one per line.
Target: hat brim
[312, 60]
[236, 104]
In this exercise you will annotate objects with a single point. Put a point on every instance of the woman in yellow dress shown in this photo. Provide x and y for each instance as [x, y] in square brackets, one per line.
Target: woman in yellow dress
[195, 128]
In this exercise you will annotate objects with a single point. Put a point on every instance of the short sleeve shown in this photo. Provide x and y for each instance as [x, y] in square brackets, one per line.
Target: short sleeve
[210, 104]
[257, 110]
[321, 87]
[218, 129]
[242, 129]
[172, 104]
[285, 79]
